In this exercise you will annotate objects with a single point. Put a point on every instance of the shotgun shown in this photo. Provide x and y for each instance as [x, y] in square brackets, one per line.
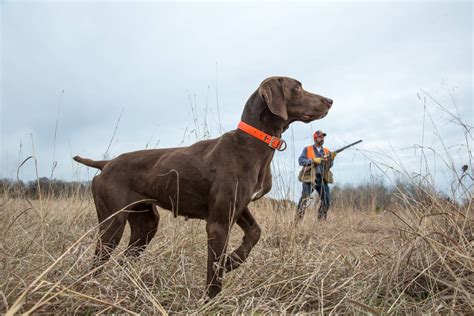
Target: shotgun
[343, 148]
[347, 146]
[327, 174]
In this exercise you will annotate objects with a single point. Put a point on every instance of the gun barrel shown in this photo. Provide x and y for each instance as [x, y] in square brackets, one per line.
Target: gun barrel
[347, 146]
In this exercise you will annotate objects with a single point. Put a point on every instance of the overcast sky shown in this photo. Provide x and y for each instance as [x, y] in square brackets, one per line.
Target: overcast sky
[171, 67]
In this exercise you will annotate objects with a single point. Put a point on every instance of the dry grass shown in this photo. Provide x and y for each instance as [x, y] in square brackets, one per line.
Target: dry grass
[414, 259]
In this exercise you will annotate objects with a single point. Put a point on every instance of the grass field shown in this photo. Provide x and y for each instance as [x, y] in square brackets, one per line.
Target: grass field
[416, 257]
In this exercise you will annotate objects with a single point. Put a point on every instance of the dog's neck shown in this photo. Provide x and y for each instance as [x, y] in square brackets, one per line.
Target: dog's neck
[257, 114]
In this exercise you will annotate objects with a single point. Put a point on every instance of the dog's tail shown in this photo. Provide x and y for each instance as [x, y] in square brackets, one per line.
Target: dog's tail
[99, 164]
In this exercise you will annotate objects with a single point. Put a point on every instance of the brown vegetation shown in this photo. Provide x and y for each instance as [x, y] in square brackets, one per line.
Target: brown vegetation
[412, 257]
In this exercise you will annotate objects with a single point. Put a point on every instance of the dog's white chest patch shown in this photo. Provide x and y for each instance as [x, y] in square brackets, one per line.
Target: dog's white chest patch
[256, 194]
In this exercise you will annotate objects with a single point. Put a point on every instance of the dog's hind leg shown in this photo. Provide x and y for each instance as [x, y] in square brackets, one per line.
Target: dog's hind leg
[111, 225]
[143, 227]
[252, 234]
[110, 233]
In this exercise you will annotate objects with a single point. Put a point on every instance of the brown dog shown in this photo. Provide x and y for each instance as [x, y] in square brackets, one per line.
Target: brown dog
[214, 180]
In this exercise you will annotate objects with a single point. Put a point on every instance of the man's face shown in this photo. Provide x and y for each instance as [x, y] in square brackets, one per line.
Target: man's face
[319, 140]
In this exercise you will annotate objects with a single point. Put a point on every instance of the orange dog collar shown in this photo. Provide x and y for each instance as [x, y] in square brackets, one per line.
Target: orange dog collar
[272, 141]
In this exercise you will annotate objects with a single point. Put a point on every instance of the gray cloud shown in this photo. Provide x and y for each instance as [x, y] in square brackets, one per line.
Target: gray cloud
[150, 59]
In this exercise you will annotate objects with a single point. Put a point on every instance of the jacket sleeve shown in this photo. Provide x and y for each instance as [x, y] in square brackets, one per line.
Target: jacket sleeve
[303, 161]
[330, 162]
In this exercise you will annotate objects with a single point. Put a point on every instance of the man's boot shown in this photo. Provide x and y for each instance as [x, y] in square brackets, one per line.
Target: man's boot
[322, 213]
[301, 208]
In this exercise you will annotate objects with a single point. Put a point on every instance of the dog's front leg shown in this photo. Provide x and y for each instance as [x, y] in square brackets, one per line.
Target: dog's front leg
[217, 235]
[252, 235]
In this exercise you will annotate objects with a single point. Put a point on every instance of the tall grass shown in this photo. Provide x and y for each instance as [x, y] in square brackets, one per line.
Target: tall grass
[412, 260]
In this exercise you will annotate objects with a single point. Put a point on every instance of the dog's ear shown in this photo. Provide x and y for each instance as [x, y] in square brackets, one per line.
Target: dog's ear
[272, 92]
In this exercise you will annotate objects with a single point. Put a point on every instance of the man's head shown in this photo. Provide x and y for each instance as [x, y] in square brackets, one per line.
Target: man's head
[319, 137]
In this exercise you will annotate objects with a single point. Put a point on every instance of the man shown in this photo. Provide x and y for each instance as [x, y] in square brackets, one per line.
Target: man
[316, 161]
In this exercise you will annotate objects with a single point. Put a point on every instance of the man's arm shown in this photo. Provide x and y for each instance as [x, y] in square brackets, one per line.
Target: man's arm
[330, 160]
[303, 161]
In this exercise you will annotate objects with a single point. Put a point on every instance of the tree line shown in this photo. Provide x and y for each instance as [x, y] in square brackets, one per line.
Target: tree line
[375, 196]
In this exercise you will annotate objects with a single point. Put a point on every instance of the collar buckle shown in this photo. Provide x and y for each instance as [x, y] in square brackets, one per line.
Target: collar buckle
[277, 143]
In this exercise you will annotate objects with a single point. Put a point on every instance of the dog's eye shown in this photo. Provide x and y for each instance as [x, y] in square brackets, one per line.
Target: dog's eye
[298, 88]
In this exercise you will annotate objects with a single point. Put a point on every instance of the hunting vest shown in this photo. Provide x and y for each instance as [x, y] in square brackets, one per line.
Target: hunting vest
[310, 154]
[308, 173]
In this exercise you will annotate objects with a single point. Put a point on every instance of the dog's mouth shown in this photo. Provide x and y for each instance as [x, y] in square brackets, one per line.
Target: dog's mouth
[309, 118]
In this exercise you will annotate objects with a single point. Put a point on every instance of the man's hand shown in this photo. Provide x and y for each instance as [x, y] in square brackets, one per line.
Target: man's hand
[317, 160]
[333, 155]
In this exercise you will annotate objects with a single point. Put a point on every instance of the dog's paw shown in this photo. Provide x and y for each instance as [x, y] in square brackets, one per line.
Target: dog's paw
[232, 262]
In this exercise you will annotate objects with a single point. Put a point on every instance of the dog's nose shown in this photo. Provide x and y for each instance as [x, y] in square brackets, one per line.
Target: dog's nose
[329, 102]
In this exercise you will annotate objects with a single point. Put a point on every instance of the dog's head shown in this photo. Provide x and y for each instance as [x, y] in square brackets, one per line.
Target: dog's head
[286, 98]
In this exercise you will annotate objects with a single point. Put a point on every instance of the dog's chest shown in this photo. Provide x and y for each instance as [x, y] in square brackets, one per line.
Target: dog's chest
[263, 185]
